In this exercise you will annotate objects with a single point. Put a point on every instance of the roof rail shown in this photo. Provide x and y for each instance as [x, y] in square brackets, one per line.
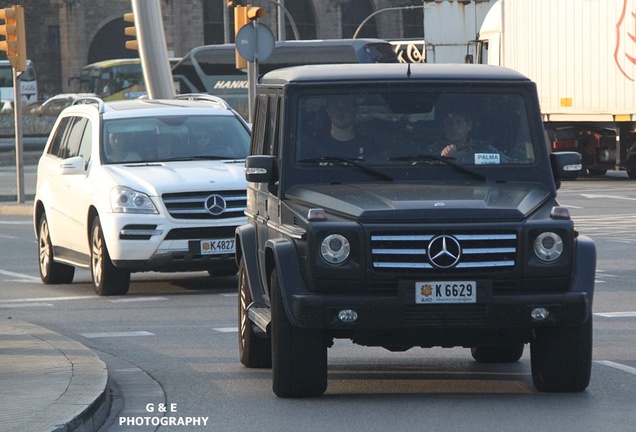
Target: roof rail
[204, 97]
[90, 100]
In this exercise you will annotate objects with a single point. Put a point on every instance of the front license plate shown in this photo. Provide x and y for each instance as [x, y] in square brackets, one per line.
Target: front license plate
[445, 292]
[212, 247]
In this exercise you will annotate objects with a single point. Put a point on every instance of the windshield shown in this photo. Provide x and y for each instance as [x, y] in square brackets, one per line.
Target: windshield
[174, 138]
[422, 128]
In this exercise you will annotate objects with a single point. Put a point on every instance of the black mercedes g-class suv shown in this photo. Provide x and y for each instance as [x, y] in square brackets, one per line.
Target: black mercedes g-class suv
[430, 219]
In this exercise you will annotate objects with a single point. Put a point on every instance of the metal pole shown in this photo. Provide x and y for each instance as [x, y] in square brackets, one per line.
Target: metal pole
[281, 20]
[355, 35]
[153, 50]
[252, 73]
[292, 23]
[17, 114]
[226, 22]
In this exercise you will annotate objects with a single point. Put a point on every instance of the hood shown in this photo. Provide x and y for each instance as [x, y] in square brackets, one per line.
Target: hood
[413, 201]
[157, 178]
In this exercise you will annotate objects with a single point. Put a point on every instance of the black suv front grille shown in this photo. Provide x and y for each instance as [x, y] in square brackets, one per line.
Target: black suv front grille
[399, 252]
[194, 205]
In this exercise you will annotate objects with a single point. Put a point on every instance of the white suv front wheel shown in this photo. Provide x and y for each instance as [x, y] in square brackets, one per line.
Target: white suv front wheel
[108, 280]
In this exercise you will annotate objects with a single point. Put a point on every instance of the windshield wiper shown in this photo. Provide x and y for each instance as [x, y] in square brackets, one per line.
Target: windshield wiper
[415, 159]
[353, 162]
[189, 158]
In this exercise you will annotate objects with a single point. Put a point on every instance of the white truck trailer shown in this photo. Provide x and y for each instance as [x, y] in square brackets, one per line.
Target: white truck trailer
[582, 55]
[448, 24]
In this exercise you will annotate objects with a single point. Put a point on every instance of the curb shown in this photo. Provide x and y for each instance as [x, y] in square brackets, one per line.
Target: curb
[16, 209]
[85, 403]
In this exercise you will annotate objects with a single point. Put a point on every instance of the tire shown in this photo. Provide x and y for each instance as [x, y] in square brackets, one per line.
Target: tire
[299, 356]
[255, 351]
[497, 354]
[631, 173]
[108, 280]
[561, 358]
[596, 172]
[51, 273]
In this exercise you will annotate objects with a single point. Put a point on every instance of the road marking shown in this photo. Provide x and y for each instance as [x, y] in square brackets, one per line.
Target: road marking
[20, 277]
[137, 299]
[608, 196]
[44, 299]
[618, 366]
[18, 305]
[117, 334]
[616, 314]
[16, 223]
[226, 329]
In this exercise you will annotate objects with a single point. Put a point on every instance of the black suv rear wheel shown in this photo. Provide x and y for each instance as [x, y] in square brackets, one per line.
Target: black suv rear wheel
[255, 351]
[497, 354]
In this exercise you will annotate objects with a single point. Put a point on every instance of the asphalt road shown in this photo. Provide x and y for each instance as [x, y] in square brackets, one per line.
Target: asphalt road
[179, 330]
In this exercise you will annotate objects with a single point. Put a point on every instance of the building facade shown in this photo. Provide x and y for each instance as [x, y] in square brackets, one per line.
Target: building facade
[65, 35]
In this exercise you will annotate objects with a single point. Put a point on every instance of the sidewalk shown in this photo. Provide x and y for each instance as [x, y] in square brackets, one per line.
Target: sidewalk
[49, 382]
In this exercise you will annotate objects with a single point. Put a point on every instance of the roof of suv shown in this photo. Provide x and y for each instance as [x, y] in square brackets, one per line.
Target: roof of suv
[390, 71]
[146, 107]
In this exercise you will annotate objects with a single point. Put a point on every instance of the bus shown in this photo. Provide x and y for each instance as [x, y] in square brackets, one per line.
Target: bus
[28, 82]
[113, 79]
[211, 68]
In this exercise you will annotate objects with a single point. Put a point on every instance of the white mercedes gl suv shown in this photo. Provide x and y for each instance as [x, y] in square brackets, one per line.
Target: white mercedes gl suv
[140, 185]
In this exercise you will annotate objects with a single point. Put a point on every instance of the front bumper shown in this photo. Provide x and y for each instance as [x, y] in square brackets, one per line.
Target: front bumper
[384, 319]
[152, 243]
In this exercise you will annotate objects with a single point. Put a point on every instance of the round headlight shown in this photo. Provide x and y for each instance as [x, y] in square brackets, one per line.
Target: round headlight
[334, 249]
[548, 246]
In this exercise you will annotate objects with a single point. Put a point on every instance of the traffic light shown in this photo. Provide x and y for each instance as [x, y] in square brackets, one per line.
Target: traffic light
[15, 41]
[244, 15]
[132, 44]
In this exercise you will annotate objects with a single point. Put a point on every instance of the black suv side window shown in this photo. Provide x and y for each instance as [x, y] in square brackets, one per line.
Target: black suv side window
[274, 107]
[260, 136]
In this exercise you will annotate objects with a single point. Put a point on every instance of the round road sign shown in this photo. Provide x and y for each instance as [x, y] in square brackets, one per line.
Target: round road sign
[255, 42]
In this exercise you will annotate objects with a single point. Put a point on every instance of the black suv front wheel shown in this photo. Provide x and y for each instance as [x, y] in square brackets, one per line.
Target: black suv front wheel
[299, 356]
[561, 358]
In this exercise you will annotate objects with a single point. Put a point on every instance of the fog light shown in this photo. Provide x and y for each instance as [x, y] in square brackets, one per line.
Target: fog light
[540, 314]
[347, 315]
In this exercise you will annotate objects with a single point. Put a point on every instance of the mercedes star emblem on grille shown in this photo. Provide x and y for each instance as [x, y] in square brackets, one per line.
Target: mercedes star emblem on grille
[215, 204]
[444, 251]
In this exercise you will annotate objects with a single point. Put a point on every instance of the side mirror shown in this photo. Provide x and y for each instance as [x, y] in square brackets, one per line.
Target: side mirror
[73, 165]
[261, 169]
[566, 165]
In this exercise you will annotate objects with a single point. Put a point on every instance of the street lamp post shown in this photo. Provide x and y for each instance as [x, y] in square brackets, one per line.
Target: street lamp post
[281, 21]
[355, 35]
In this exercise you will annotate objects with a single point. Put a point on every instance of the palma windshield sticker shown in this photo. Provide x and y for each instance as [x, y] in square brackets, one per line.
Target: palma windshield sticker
[487, 159]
